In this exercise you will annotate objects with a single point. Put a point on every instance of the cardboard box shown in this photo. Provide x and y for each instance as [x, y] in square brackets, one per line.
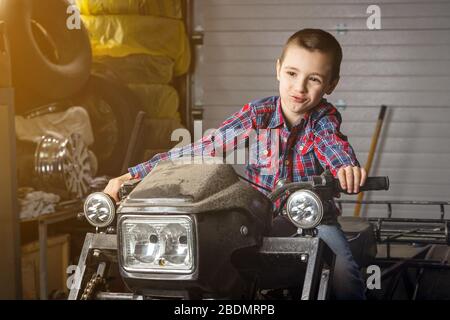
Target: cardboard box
[58, 251]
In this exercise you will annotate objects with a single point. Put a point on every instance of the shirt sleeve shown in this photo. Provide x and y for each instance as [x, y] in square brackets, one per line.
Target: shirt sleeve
[331, 146]
[237, 126]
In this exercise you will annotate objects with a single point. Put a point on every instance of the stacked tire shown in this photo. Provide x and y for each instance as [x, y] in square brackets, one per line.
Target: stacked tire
[143, 44]
[49, 61]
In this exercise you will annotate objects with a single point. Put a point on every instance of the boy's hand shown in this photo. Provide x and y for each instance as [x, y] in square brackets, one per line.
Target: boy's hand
[114, 185]
[351, 178]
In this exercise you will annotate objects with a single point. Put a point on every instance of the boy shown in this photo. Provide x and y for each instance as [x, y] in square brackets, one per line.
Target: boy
[310, 140]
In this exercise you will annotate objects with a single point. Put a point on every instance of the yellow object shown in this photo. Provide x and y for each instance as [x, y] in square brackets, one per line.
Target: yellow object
[163, 8]
[120, 36]
[139, 68]
[58, 251]
[159, 101]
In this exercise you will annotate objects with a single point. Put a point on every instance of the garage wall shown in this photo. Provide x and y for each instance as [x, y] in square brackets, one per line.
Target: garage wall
[405, 65]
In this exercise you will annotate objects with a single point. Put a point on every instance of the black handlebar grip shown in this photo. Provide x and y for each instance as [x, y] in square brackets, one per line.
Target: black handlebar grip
[376, 183]
[372, 183]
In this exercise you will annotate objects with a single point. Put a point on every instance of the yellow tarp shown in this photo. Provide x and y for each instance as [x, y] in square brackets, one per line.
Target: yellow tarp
[139, 68]
[159, 101]
[120, 36]
[163, 8]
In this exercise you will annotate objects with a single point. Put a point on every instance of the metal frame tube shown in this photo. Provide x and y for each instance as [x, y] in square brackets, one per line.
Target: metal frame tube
[10, 265]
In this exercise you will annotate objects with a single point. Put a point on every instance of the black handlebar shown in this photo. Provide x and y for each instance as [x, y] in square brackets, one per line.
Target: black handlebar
[333, 184]
[376, 183]
[372, 183]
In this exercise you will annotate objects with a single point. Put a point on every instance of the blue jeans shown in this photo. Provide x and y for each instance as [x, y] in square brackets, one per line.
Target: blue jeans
[347, 280]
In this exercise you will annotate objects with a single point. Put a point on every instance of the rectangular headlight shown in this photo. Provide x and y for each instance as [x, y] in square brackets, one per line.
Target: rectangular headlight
[157, 244]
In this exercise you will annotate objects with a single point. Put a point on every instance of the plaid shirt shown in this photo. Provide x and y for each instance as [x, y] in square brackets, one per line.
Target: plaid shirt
[305, 150]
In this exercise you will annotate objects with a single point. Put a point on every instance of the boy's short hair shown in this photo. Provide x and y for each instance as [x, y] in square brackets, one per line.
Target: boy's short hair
[317, 39]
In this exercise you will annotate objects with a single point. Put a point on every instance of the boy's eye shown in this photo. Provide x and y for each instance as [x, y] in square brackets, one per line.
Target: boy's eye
[291, 73]
[315, 79]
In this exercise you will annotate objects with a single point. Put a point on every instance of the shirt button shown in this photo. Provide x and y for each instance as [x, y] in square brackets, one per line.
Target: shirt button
[286, 162]
[265, 152]
[300, 148]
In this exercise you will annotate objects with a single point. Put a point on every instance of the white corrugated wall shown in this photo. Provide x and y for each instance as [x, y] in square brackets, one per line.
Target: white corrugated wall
[404, 65]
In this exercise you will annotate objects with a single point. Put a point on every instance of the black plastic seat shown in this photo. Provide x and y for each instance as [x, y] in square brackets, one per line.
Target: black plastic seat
[360, 235]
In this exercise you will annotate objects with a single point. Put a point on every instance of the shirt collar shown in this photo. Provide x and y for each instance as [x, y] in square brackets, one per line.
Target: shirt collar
[278, 118]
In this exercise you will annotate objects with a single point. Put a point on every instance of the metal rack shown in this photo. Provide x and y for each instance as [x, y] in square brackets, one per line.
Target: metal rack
[422, 235]
[408, 230]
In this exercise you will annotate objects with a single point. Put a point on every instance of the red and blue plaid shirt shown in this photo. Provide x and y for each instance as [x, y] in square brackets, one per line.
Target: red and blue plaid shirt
[304, 150]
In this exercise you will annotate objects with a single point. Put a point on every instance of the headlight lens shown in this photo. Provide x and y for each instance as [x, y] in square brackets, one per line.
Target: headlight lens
[146, 243]
[174, 239]
[304, 209]
[99, 209]
[159, 244]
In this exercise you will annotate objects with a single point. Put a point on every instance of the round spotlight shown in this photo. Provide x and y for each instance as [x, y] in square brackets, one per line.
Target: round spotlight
[99, 209]
[304, 208]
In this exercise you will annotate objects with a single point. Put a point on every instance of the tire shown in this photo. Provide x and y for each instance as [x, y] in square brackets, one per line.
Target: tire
[49, 61]
[112, 110]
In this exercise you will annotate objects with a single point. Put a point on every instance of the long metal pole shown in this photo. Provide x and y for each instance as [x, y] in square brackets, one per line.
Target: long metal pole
[373, 147]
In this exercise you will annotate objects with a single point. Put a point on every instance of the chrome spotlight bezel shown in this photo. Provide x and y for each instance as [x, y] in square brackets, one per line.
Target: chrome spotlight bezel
[316, 198]
[111, 205]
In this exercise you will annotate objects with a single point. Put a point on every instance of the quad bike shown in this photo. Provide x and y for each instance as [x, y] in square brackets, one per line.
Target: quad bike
[194, 231]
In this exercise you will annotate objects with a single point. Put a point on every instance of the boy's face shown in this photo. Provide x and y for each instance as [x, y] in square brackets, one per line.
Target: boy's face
[304, 78]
